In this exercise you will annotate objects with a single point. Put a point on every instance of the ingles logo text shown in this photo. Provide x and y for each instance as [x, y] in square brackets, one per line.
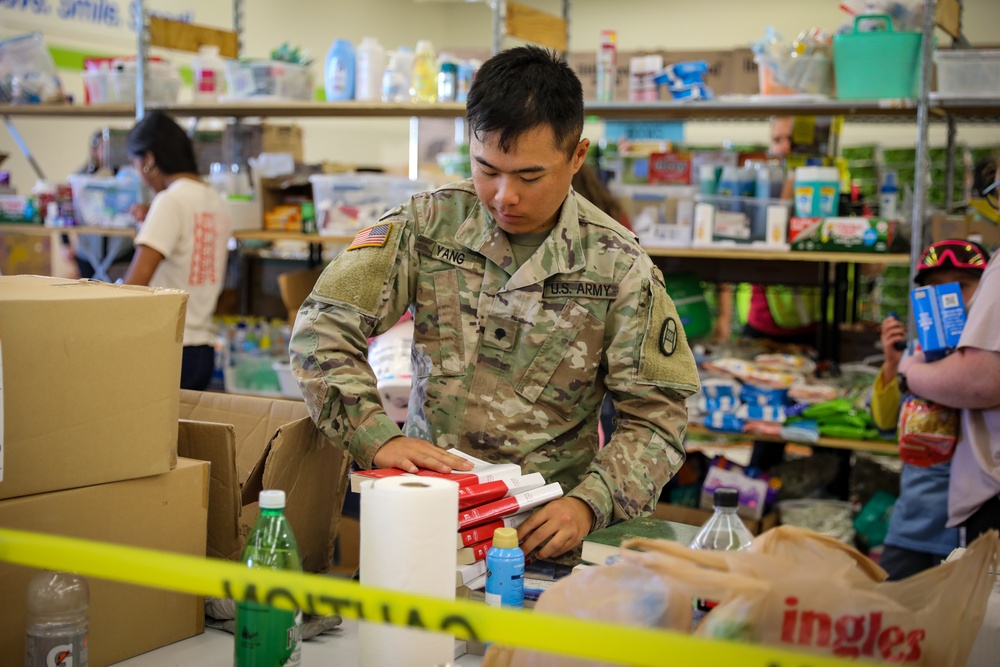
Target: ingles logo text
[852, 636]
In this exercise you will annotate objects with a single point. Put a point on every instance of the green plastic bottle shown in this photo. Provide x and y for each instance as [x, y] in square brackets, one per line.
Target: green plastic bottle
[266, 636]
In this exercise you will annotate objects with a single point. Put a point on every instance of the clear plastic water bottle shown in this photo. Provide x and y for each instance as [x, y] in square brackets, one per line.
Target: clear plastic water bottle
[266, 636]
[57, 628]
[505, 570]
[724, 531]
[396, 79]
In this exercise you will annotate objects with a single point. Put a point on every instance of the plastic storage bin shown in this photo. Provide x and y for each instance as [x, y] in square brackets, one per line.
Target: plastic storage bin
[27, 72]
[795, 75]
[105, 201]
[967, 73]
[117, 84]
[884, 64]
[347, 203]
[273, 79]
[661, 215]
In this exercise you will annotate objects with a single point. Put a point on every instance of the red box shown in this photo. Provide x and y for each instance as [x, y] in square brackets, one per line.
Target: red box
[672, 167]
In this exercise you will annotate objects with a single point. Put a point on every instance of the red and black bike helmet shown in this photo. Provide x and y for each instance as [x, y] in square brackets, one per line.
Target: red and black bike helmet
[954, 253]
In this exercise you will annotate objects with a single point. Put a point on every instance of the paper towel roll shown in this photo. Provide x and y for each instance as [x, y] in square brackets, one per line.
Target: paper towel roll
[408, 528]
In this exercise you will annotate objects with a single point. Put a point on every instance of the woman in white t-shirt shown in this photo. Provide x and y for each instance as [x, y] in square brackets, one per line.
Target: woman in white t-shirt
[182, 243]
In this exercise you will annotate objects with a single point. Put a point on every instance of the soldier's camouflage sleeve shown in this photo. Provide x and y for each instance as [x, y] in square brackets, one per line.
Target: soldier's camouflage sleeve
[361, 293]
[651, 370]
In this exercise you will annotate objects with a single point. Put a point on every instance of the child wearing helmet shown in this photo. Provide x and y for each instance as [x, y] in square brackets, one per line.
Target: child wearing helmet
[917, 537]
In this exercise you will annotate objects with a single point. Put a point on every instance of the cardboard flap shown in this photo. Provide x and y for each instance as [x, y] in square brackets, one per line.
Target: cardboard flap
[254, 484]
[255, 420]
[216, 443]
[313, 474]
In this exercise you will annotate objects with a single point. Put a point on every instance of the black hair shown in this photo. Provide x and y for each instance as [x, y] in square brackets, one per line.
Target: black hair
[523, 88]
[158, 134]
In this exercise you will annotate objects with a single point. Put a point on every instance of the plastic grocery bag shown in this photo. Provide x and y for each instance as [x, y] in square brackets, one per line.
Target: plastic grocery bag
[838, 607]
[927, 432]
[623, 593]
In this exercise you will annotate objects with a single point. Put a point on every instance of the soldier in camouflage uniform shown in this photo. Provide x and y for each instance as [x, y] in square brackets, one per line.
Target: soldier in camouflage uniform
[529, 304]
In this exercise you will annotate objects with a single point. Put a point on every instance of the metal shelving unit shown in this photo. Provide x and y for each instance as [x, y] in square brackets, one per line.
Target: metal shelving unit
[923, 111]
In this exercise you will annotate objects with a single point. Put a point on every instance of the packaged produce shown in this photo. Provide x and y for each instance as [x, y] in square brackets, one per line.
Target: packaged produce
[927, 432]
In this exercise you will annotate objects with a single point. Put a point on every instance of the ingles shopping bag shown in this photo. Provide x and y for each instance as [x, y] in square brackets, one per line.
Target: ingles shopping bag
[929, 619]
[624, 594]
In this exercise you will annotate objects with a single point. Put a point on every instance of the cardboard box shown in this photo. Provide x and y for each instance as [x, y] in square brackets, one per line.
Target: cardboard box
[264, 138]
[27, 253]
[960, 227]
[19, 208]
[843, 234]
[90, 382]
[259, 443]
[166, 512]
[939, 313]
[697, 517]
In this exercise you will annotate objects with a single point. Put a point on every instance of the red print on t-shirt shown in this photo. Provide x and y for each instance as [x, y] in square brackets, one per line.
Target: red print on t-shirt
[202, 269]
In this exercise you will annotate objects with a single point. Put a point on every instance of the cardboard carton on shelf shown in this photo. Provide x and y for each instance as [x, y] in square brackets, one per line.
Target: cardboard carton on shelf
[90, 377]
[853, 234]
[165, 512]
[962, 227]
[259, 443]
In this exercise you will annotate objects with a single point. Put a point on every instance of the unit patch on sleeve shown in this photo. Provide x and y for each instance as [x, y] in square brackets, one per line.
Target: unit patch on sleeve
[557, 288]
[372, 237]
[668, 336]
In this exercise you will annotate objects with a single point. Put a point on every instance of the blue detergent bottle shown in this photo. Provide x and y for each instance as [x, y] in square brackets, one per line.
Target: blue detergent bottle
[505, 570]
[339, 75]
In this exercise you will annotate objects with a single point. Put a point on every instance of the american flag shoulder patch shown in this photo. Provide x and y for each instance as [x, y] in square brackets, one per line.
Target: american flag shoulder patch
[372, 237]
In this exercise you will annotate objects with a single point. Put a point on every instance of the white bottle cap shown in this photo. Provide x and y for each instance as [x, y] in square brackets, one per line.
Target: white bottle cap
[425, 45]
[272, 500]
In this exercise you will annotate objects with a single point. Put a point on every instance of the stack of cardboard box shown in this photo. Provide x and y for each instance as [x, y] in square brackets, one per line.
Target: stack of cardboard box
[89, 449]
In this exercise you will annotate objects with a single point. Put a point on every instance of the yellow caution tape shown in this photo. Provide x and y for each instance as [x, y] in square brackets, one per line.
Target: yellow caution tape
[324, 595]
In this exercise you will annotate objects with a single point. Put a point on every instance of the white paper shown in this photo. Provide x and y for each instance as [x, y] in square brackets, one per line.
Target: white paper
[408, 527]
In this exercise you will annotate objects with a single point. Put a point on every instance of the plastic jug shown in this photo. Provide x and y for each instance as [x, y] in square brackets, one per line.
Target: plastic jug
[369, 68]
[423, 80]
[208, 70]
[339, 79]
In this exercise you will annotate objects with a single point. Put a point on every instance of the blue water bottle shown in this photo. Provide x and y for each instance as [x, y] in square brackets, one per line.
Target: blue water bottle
[505, 570]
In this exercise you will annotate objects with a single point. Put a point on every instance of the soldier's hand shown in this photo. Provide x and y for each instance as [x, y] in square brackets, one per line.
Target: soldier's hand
[410, 454]
[563, 522]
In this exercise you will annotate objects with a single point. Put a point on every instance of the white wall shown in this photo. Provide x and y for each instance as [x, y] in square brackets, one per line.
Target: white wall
[60, 145]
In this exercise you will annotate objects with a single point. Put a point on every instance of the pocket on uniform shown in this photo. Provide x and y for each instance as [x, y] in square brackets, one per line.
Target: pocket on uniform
[565, 366]
[438, 325]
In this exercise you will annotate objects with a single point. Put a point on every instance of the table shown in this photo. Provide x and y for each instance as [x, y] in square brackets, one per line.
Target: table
[215, 647]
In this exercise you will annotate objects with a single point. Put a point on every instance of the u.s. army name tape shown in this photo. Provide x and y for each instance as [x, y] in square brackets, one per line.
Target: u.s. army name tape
[325, 595]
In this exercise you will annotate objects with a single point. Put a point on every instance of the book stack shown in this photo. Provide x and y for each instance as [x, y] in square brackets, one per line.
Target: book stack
[490, 496]
[603, 544]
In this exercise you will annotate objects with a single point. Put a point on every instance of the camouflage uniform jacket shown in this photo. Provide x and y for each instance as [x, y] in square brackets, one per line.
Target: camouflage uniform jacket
[508, 365]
